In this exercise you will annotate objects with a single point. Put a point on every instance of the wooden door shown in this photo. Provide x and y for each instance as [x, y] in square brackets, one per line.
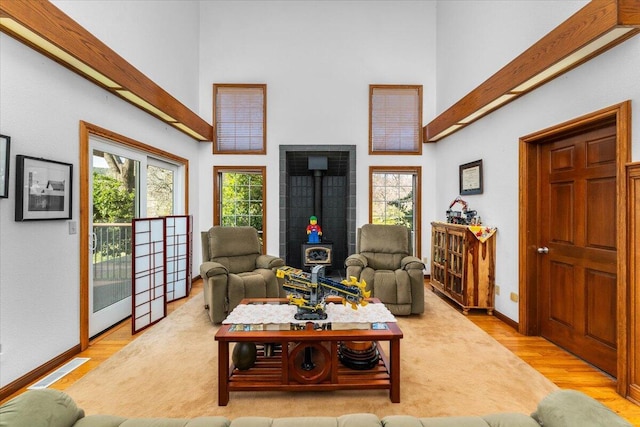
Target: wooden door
[577, 247]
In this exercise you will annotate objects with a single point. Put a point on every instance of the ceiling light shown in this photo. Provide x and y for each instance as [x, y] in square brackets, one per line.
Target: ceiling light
[446, 132]
[191, 132]
[487, 108]
[55, 51]
[572, 59]
[144, 104]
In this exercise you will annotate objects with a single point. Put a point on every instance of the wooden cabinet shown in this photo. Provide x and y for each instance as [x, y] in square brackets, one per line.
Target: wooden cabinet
[463, 267]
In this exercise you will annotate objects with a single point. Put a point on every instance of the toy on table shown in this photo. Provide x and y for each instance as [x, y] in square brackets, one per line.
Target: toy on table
[313, 230]
[309, 291]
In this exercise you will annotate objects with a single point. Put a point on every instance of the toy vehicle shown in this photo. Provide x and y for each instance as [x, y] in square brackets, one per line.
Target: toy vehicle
[309, 291]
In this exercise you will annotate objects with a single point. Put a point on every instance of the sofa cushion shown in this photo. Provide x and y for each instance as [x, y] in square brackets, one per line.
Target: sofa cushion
[100, 421]
[495, 420]
[384, 239]
[569, 408]
[40, 408]
[233, 241]
[506, 419]
[350, 420]
[407, 421]
[114, 421]
[238, 264]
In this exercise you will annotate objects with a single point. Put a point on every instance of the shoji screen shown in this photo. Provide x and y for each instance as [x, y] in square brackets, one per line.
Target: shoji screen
[161, 266]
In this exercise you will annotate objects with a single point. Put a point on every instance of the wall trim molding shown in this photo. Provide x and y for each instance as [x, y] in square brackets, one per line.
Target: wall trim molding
[40, 371]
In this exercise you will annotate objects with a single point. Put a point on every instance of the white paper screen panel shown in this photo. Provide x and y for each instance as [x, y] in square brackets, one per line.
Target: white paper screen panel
[149, 290]
[178, 247]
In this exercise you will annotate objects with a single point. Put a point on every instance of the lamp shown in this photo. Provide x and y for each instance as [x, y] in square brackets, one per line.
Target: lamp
[45, 28]
[598, 26]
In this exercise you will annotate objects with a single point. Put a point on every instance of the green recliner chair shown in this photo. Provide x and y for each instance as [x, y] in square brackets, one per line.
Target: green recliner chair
[233, 267]
[384, 260]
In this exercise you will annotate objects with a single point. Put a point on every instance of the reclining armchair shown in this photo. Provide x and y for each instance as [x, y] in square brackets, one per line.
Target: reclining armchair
[233, 267]
[383, 260]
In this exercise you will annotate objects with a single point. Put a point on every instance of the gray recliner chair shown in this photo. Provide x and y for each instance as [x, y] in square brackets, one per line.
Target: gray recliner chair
[233, 267]
[384, 260]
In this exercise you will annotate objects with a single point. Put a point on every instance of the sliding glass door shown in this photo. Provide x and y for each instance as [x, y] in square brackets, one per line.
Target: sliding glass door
[125, 184]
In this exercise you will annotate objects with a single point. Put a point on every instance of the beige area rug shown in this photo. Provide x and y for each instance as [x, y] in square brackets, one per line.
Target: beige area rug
[448, 367]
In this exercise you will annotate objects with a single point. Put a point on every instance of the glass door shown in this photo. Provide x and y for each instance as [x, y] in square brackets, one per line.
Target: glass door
[114, 201]
[163, 179]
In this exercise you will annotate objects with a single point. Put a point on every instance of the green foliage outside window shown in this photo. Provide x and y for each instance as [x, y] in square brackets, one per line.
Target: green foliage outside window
[242, 199]
[112, 201]
[393, 199]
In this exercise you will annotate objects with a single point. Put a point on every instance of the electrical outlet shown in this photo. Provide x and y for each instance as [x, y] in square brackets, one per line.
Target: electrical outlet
[497, 290]
[425, 260]
[514, 297]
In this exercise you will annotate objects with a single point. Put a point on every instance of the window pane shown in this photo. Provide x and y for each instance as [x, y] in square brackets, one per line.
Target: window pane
[393, 199]
[160, 186]
[241, 201]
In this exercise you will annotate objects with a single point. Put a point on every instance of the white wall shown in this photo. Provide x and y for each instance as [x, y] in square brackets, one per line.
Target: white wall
[40, 109]
[604, 81]
[158, 37]
[477, 38]
[317, 59]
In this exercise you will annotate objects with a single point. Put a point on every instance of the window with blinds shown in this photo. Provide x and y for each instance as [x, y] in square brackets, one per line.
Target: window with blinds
[395, 119]
[240, 118]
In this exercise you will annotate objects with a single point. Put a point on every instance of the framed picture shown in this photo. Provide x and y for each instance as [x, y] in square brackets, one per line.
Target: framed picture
[471, 178]
[5, 143]
[43, 189]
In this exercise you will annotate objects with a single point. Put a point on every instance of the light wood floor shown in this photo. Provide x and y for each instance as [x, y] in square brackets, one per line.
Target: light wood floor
[564, 369]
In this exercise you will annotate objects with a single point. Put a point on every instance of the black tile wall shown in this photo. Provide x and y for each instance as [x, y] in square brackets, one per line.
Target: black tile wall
[337, 218]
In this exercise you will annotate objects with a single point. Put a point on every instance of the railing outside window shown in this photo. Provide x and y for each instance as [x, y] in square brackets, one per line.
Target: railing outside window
[111, 263]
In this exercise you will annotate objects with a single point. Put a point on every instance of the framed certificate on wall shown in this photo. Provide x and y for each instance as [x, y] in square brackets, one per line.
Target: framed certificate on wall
[471, 178]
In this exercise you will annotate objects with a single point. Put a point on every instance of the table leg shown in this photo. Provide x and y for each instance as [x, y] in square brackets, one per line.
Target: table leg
[394, 373]
[223, 373]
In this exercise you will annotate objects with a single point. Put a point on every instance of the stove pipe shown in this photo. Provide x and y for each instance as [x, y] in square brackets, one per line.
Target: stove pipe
[317, 164]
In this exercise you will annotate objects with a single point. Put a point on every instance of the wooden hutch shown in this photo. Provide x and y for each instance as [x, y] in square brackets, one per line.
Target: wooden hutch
[463, 267]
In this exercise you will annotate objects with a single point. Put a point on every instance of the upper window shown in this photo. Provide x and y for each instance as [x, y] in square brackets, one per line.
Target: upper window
[395, 119]
[239, 118]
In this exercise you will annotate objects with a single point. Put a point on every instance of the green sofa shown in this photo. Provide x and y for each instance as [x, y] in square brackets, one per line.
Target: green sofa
[53, 408]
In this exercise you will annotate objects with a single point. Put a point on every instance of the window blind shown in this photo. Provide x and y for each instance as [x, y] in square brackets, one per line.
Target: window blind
[395, 119]
[240, 118]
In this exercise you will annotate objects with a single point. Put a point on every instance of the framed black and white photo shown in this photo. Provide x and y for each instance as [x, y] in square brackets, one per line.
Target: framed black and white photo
[471, 178]
[5, 143]
[43, 189]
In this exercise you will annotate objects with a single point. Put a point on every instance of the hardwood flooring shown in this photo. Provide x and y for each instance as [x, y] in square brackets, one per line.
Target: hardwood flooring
[561, 367]
[558, 365]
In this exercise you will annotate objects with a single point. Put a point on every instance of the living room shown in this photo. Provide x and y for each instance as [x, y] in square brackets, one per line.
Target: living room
[317, 60]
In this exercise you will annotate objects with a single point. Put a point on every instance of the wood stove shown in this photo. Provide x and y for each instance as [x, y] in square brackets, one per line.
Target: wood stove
[317, 254]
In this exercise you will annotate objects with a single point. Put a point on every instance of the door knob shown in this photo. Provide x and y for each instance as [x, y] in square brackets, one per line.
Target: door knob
[543, 250]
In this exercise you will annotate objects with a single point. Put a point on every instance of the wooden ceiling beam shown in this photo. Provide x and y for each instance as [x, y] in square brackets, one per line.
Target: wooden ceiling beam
[44, 27]
[598, 26]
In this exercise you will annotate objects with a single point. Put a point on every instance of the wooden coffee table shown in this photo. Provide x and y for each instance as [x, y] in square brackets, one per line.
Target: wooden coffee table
[281, 370]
